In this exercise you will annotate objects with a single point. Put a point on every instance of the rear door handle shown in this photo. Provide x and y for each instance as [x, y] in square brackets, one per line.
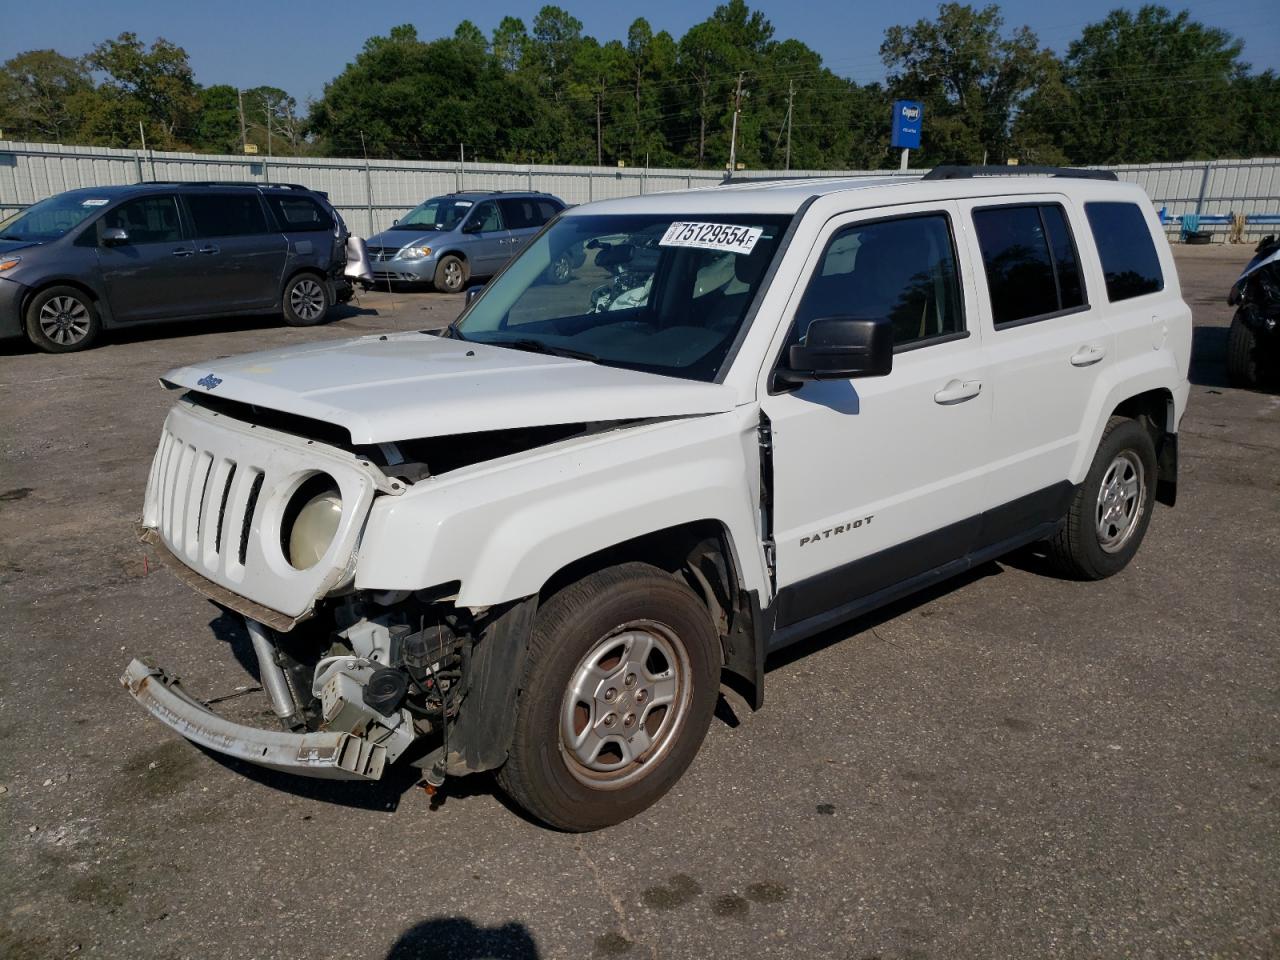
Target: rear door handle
[958, 391]
[183, 251]
[211, 248]
[1087, 355]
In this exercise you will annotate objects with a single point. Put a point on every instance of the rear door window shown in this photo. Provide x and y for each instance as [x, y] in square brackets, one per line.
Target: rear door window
[1030, 261]
[226, 214]
[546, 210]
[147, 220]
[1128, 254]
[296, 214]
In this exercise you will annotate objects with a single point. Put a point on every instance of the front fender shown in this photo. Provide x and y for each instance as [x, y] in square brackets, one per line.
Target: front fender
[503, 528]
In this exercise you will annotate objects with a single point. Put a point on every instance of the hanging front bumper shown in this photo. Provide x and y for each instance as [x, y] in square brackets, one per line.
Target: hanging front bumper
[326, 755]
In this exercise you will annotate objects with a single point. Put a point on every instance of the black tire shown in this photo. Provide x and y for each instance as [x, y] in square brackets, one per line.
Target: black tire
[62, 320]
[1078, 549]
[571, 633]
[307, 299]
[451, 274]
[1242, 355]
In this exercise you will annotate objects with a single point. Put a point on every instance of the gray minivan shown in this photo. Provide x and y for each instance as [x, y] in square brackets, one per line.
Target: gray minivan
[104, 257]
[449, 240]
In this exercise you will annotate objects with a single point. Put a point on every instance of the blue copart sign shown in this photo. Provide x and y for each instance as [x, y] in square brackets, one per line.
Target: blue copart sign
[908, 118]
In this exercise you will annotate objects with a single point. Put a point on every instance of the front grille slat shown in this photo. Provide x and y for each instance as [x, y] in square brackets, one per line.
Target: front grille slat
[234, 519]
[200, 468]
[211, 512]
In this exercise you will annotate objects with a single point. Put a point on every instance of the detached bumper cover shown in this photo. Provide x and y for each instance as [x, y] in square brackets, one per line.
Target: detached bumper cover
[331, 756]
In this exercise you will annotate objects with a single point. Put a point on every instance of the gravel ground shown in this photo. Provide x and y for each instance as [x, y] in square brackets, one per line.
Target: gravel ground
[1010, 766]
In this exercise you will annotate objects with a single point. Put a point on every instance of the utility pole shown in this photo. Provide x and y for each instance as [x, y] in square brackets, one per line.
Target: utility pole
[368, 181]
[244, 140]
[791, 93]
[599, 147]
[266, 103]
[733, 137]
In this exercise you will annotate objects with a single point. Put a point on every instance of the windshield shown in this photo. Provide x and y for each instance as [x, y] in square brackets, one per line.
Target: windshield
[662, 294]
[439, 213]
[50, 219]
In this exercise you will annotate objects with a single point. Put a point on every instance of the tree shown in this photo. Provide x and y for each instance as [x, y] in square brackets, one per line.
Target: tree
[154, 86]
[217, 125]
[468, 33]
[510, 37]
[1149, 86]
[1256, 115]
[43, 95]
[971, 78]
[550, 51]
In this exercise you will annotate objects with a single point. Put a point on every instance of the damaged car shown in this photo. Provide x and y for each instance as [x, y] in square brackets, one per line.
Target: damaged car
[1253, 341]
[539, 543]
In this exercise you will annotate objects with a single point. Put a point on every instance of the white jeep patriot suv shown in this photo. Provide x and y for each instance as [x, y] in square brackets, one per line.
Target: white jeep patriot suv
[537, 543]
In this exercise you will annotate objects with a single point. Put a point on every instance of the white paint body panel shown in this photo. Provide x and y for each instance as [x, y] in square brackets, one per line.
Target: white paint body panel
[400, 386]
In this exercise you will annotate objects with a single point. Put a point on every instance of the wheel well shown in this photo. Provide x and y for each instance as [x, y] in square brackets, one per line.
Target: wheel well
[1154, 409]
[314, 271]
[103, 312]
[701, 555]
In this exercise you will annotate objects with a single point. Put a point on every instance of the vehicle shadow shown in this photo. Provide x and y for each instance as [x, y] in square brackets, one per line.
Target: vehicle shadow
[458, 938]
[1209, 357]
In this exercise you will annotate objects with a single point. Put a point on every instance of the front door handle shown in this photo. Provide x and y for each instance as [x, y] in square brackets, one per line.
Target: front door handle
[211, 248]
[183, 251]
[958, 391]
[1088, 355]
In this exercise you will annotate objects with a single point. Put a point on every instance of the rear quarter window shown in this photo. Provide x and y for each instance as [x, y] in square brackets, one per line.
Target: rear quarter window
[1130, 263]
[299, 213]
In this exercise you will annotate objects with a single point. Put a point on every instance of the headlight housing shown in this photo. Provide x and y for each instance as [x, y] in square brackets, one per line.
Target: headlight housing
[310, 522]
[414, 253]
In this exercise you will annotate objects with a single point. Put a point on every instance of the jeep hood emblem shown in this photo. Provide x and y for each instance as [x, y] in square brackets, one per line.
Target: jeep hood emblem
[208, 381]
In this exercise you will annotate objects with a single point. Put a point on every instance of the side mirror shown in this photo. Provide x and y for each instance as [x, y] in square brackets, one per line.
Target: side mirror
[395, 221]
[472, 226]
[471, 294]
[114, 236]
[841, 348]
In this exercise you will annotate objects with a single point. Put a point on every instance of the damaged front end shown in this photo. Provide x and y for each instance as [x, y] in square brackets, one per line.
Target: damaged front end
[266, 521]
[366, 682]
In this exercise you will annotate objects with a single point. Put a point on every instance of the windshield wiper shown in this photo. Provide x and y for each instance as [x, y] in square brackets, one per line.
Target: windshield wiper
[537, 346]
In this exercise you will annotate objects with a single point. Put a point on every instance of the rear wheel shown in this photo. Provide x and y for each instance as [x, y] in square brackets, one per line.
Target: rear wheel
[1242, 354]
[62, 320]
[451, 274]
[1110, 512]
[618, 693]
[306, 300]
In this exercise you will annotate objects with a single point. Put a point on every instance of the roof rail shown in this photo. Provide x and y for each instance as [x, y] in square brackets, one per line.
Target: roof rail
[224, 183]
[966, 173]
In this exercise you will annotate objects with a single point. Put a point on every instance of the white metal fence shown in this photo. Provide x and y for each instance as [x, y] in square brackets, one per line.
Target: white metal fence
[372, 194]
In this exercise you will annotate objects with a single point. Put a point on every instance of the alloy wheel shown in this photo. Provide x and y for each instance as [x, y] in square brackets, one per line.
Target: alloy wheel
[64, 320]
[1121, 500]
[625, 704]
[307, 299]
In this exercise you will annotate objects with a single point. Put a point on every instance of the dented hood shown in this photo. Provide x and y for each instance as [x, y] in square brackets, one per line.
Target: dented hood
[405, 386]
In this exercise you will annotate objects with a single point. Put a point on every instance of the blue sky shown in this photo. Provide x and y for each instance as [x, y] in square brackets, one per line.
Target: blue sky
[298, 46]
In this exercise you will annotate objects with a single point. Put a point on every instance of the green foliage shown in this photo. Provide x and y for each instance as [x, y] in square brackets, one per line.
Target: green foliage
[1133, 87]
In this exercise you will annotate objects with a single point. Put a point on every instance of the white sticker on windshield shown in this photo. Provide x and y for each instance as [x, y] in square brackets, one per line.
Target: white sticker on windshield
[94, 203]
[462, 203]
[712, 236]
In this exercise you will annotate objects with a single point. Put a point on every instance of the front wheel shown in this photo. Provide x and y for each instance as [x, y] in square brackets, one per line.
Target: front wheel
[62, 320]
[451, 274]
[306, 300]
[619, 688]
[1110, 512]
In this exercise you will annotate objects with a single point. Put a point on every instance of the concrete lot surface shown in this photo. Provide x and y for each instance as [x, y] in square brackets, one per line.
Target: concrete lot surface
[1010, 767]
